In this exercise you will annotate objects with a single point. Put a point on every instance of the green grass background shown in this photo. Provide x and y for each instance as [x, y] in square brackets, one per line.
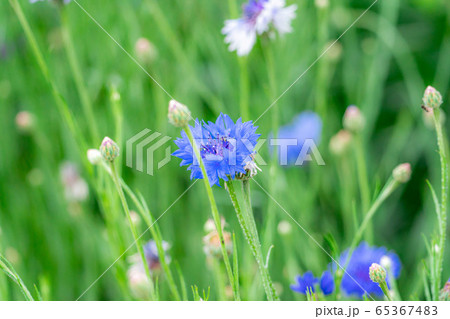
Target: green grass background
[382, 64]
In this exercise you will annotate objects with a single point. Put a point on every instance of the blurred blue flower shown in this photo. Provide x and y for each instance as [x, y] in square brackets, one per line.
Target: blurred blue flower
[257, 17]
[306, 125]
[305, 283]
[356, 280]
[225, 148]
[308, 282]
[151, 254]
[327, 283]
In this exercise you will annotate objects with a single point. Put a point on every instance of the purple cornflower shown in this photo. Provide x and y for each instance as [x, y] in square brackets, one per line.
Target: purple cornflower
[292, 137]
[356, 279]
[151, 254]
[257, 18]
[225, 148]
[307, 282]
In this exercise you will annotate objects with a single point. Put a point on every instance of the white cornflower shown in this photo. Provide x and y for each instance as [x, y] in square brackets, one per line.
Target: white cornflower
[258, 16]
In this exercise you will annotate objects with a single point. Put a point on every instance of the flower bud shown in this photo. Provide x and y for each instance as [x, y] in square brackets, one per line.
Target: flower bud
[354, 120]
[145, 50]
[109, 149]
[212, 246]
[402, 173]
[179, 114]
[94, 156]
[432, 98]
[377, 273]
[340, 143]
[284, 227]
[24, 121]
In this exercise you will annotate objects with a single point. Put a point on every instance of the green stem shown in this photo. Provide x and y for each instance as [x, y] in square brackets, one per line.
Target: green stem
[78, 77]
[253, 242]
[385, 289]
[157, 237]
[443, 208]
[61, 104]
[244, 89]
[362, 177]
[132, 227]
[215, 214]
[271, 216]
[390, 186]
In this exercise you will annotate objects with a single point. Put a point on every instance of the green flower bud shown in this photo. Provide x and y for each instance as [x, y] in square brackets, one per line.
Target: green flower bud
[354, 120]
[109, 149]
[402, 173]
[377, 273]
[179, 114]
[432, 98]
[340, 143]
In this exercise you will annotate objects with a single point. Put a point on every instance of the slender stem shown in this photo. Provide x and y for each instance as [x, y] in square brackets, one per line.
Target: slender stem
[271, 218]
[443, 208]
[362, 177]
[385, 289]
[61, 104]
[78, 77]
[253, 242]
[132, 227]
[215, 214]
[390, 186]
[244, 89]
[157, 237]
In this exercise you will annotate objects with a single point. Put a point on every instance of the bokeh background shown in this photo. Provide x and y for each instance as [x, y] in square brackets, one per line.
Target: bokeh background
[382, 64]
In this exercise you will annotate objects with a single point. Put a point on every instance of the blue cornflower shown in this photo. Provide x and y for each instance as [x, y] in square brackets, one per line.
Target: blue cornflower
[307, 282]
[225, 148]
[327, 283]
[305, 126]
[257, 18]
[356, 280]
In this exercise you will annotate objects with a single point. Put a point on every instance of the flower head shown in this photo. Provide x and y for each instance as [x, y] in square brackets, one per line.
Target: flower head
[327, 283]
[151, 254]
[145, 50]
[94, 156]
[225, 148]
[402, 173]
[109, 149]
[341, 142]
[354, 120]
[179, 114]
[356, 280]
[377, 273]
[292, 137]
[444, 294]
[307, 282]
[257, 18]
[24, 121]
[432, 99]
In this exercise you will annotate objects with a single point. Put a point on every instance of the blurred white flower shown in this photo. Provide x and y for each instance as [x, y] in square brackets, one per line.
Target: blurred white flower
[258, 16]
